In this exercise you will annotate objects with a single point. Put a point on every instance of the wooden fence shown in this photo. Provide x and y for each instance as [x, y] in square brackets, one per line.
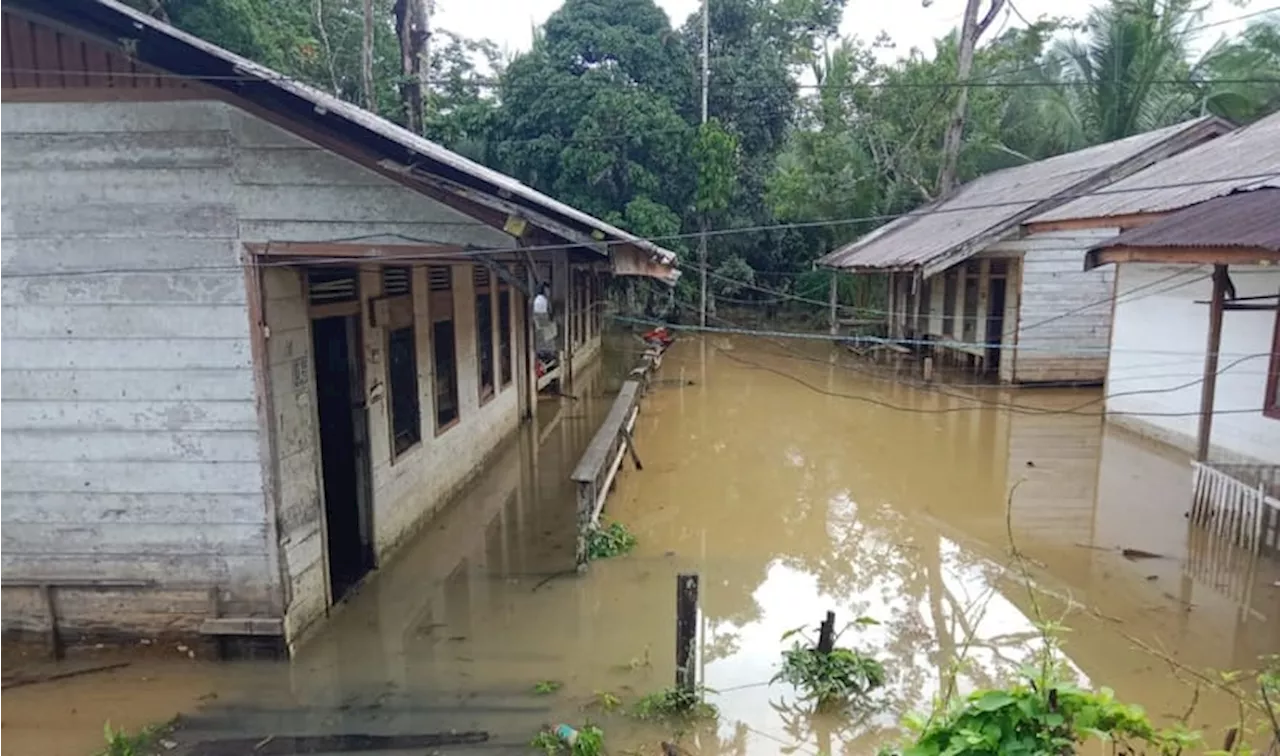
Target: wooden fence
[599, 464]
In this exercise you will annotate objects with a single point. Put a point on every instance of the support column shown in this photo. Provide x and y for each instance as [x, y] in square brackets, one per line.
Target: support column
[1212, 346]
[891, 305]
[833, 299]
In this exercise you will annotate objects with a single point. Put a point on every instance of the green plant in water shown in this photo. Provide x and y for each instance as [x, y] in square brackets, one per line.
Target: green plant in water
[830, 679]
[547, 687]
[607, 701]
[609, 541]
[589, 742]
[547, 741]
[675, 703]
[121, 743]
[1042, 712]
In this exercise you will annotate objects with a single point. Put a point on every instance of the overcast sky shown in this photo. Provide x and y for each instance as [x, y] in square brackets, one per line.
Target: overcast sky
[509, 22]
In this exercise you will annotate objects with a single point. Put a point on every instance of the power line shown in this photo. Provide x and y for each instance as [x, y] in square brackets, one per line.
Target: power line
[480, 252]
[977, 403]
[885, 341]
[783, 296]
[923, 85]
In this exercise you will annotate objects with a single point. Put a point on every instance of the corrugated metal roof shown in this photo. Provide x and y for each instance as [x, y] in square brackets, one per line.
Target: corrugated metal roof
[417, 154]
[1246, 219]
[986, 208]
[1251, 151]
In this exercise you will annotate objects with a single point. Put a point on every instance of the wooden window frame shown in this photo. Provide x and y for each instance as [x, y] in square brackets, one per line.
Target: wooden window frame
[399, 315]
[440, 309]
[1270, 403]
[507, 327]
[488, 290]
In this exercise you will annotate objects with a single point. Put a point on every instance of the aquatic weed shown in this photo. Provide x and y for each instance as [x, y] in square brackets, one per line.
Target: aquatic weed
[547, 687]
[610, 541]
[833, 678]
[588, 742]
[121, 743]
[547, 741]
[675, 703]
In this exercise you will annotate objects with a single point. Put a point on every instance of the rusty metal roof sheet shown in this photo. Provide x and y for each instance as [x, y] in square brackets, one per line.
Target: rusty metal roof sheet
[1251, 152]
[982, 211]
[174, 50]
[1245, 219]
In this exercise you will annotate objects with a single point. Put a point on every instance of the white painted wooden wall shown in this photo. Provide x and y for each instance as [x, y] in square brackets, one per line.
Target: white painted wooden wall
[1158, 347]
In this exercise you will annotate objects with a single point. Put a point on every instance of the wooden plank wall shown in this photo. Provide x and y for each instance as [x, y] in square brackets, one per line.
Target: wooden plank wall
[297, 440]
[129, 421]
[1064, 324]
[35, 57]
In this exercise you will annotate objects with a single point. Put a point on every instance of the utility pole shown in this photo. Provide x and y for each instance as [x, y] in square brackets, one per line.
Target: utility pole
[702, 219]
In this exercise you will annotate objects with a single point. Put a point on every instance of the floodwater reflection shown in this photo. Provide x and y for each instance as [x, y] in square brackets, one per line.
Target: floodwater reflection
[793, 485]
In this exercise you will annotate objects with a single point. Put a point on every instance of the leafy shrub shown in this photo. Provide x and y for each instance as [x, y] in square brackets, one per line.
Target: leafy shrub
[1024, 720]
[829, 679]
[547, 687]
[614, 540]
[121, 743]
[675, 703]
[590, 742]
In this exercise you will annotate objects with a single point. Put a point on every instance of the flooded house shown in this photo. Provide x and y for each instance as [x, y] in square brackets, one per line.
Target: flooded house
[255, 336]
[967, 279]
[1195, 343]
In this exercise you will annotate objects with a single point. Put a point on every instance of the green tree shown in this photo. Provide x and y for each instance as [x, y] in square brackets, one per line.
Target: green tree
[596, 114]
[1132, 71]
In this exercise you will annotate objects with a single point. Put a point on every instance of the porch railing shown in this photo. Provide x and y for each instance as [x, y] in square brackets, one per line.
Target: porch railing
[1238, 503]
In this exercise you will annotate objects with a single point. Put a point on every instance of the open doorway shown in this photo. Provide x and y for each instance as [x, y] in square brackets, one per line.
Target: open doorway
[344, 450]
[995, 316]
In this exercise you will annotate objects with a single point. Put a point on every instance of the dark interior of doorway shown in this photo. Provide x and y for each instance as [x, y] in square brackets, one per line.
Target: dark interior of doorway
[343, 450]
[995, 323]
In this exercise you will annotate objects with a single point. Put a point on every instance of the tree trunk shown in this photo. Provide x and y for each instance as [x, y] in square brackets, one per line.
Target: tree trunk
[366, 59]
[970, 30]
[413, 28]
[317, 9]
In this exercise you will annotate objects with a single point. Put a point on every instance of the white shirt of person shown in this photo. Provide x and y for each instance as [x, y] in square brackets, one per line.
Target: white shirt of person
[540, 304]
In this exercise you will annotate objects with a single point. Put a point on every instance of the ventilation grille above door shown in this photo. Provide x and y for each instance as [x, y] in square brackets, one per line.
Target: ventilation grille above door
[329, 285]
[481, 276]
[439, 278]
[396, 281]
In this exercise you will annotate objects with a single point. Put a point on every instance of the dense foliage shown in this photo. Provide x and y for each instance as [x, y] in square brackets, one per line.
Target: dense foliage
[604, 109]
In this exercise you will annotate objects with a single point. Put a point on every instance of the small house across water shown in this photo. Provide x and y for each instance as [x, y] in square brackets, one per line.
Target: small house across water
[966, 278]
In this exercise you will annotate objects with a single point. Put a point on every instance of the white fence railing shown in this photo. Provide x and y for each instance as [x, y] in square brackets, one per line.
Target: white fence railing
[1239, 504]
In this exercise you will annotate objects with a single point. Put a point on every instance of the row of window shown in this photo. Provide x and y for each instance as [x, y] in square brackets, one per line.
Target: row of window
[585, 316]
[402, 369]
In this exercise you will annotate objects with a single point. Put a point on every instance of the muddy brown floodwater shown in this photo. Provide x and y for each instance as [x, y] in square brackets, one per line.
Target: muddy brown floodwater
[792, 486]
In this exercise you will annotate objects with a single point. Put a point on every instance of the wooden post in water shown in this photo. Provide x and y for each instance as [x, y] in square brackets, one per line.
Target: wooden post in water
[827, 634]
[686, 631]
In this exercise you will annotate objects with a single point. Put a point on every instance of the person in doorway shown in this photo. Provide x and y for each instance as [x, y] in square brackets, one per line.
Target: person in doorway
[544, 326]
